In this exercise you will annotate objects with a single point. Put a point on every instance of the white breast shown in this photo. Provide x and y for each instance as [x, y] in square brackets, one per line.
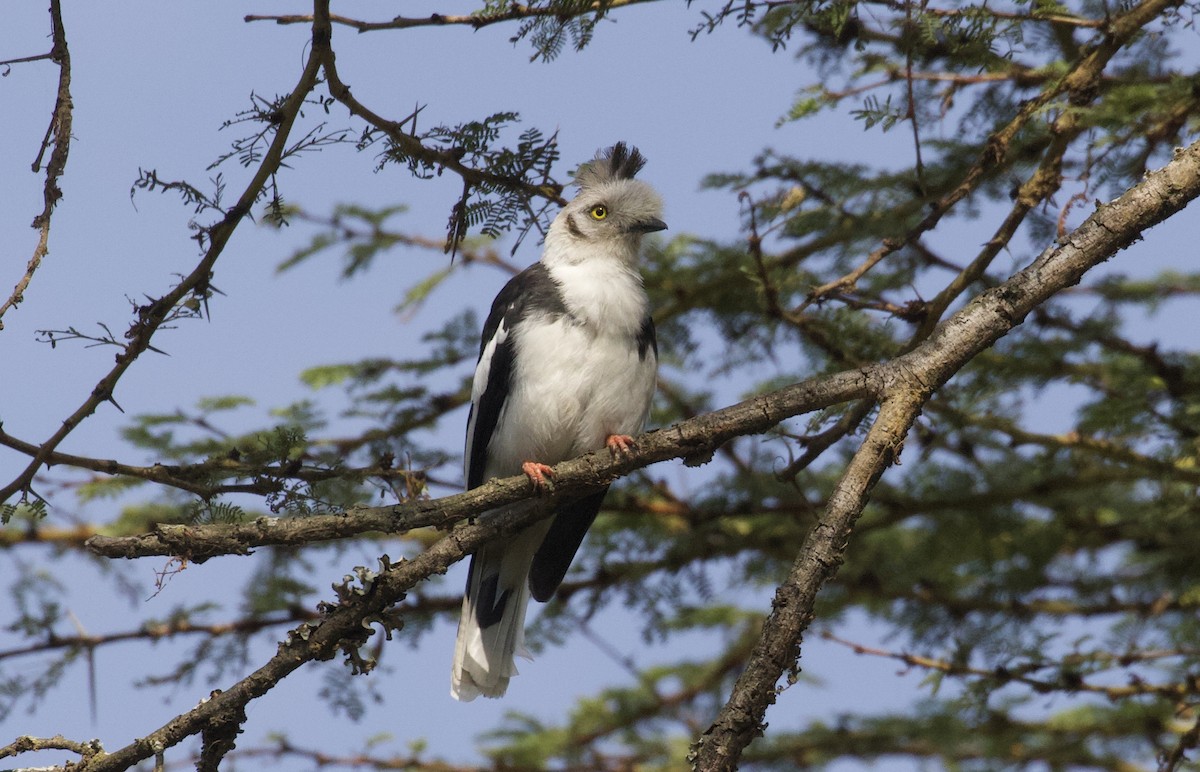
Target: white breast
[578, 379]
[604, 293]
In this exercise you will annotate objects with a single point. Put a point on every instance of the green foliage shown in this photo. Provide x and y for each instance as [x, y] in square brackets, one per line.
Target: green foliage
[363, 231]
[25, 511]
[872, 113]
[498, 198]
[1036, 565]
[565, 20]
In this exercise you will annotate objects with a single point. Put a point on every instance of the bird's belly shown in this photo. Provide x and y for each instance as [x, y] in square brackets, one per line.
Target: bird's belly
[572, 389]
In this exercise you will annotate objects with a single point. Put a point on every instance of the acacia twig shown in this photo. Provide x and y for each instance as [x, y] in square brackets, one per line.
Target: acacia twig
[58, 136]
[1066, 680]
[1080, 79]
[198, 478]
[513, 12]
[152, 316]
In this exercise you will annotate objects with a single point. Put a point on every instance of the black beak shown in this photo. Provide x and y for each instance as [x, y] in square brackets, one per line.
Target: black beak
[648, 226]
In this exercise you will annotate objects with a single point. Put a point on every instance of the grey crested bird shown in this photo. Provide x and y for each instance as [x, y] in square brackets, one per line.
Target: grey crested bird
[567, 364]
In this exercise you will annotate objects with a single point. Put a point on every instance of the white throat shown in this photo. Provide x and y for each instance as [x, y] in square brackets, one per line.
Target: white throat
[603, 293]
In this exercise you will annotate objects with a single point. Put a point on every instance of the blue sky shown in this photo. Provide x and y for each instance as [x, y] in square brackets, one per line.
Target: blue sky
[152, 84]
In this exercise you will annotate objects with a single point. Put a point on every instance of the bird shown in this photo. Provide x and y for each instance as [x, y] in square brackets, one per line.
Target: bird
[567, 364]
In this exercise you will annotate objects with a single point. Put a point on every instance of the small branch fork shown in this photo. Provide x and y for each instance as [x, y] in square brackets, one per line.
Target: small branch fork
[1080, 79]
[152, 316]
[58, 140]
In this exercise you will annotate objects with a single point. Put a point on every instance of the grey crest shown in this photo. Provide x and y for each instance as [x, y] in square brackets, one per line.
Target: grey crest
[618, 162]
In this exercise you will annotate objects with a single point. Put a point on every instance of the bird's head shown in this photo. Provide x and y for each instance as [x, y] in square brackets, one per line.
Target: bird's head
[612, 211]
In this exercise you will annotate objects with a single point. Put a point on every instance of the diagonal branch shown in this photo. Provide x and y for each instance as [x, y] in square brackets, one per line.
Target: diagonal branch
[1078, 83]
[152, 315]
[348, 621]
[911, 379]
[448, 159]
[58, 133]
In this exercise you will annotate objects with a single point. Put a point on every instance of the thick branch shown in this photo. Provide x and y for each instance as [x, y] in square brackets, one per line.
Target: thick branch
[322, 640]
[778, 647]
[915, 376]
[698, 438]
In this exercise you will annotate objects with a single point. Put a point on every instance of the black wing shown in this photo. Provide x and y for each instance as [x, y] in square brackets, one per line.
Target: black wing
[647, 339]
[531, 290]
[553, 558]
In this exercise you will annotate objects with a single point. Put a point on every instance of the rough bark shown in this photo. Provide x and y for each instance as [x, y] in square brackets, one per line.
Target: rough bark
[910, 379]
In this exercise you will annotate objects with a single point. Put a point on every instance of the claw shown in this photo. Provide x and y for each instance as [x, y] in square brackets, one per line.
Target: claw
[537, 474]
[620, 444]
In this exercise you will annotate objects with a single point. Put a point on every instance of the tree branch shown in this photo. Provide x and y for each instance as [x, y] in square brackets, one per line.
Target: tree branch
[913, 377]
[151, 316]
[60, 130]
[1080, 80]
[904, 383]
[196, 478]
[28, 744]
[156, 631]
[778, 647]
[339, 90]
[1019, 672]
[513, 12]
[697, 438]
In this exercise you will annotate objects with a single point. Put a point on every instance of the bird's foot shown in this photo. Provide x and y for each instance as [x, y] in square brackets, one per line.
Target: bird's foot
[619, 444]
[537, 474]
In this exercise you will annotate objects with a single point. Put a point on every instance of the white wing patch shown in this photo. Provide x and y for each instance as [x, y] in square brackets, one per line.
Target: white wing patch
[483, 371]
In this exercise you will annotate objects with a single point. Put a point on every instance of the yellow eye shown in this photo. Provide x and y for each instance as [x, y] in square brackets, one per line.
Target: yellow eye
[599, 212]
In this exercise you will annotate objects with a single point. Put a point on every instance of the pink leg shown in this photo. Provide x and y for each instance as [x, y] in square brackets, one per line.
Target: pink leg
[619, 444]
[537, 473]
